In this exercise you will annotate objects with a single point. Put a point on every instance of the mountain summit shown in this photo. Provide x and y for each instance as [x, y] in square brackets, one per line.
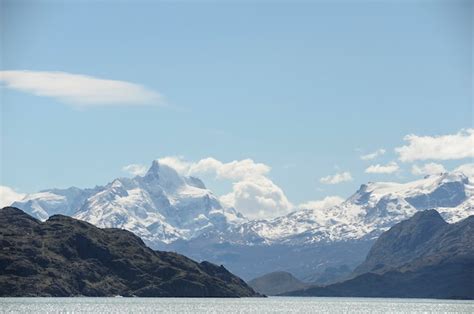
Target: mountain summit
[160, 207]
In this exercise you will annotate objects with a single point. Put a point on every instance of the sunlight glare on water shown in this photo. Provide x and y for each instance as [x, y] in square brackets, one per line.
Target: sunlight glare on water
[244, 305]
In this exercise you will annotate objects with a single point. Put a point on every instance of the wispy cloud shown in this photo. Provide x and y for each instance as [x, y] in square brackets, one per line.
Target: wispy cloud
[444, 147]
[80, 90]
[377, 153]
[8, 196]
[337, 178]
[388, 168]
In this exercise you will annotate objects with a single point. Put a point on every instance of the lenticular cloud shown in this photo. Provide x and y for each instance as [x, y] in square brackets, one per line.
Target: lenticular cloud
[79, 90]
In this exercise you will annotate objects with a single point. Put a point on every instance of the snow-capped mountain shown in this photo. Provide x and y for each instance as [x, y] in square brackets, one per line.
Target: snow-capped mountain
[160, 206]
[373, 209]
[174, 212]
[163, 206]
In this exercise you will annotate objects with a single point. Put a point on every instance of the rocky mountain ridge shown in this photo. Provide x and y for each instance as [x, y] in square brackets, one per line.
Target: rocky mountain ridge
[65, 257]
[422, 257]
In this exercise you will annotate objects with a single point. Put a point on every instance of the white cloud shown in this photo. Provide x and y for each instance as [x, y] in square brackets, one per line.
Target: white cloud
[257, 197]
[377, 153]
[388, 168]
[467, 169]
[325, 203]
[444, 147]
[209, 166]
[177, 163]
[234, 170]
[79, 90]
[426, 169]
[337, 178]
[8, 196]
[135, 169]
[253, 193]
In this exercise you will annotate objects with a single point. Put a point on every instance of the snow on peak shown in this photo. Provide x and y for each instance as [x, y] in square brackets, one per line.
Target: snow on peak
[164, 176]
[422, 186]
[117, 183]
[162, 206]
[375, 207]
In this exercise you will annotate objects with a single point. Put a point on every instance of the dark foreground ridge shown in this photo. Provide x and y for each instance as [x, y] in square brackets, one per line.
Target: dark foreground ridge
[64, 257]
[422, 257]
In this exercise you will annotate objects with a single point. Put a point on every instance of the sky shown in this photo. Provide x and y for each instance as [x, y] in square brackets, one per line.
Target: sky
[273, 104]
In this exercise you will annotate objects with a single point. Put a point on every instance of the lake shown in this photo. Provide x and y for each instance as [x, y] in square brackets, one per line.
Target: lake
[244, 305]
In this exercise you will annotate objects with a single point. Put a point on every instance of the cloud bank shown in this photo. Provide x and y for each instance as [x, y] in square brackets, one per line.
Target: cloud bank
[79, 90]
[444, 147]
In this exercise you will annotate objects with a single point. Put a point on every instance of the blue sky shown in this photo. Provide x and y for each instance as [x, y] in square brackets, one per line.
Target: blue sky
[305, 88]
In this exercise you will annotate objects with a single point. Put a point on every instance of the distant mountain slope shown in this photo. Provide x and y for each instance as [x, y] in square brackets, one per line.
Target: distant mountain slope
[67, 257]
[423, 257]
[276, 283]
[318, 262]
[178, 213]
[404, 242]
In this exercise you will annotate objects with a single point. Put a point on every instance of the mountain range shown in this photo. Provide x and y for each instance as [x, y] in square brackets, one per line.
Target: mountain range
[422, 257]
[178, 213]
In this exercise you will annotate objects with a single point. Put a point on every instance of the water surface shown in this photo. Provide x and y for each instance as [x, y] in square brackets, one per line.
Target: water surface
[244, 305]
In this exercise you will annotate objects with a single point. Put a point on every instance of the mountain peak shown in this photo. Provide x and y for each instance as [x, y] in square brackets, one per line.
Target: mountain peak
[165, 176]
[454, 176]
[154, 168]
[422, 223]
[117, 183]
[425, 215]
